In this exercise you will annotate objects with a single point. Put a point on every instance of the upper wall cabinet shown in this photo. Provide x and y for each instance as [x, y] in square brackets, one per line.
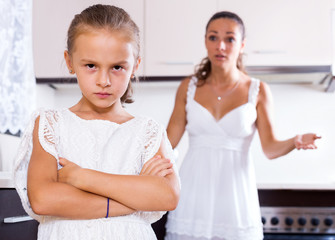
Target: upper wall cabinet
[51, 20]
[285, 32]
[278, 32]
[175, 35]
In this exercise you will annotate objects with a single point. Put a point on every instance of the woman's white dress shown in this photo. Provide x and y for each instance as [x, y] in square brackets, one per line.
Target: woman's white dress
[95, 144]
[219, 197]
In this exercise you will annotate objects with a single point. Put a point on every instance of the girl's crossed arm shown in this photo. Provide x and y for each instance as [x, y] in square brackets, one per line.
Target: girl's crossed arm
[155, 189]
[47, 196]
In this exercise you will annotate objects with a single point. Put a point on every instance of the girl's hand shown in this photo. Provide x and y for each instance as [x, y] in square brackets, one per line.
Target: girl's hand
[157, 166]
[67, 173]
[306, 141]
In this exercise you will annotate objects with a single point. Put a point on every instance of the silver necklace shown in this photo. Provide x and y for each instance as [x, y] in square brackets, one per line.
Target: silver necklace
[226, 93]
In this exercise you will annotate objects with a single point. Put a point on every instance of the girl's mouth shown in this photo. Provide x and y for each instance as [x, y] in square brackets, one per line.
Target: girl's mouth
[103, 95]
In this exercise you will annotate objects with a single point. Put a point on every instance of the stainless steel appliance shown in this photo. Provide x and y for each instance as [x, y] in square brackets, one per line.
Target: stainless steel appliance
[298, 214]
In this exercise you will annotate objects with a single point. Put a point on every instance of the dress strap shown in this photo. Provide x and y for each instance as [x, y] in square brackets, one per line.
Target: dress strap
[253, 90]
[192, 86]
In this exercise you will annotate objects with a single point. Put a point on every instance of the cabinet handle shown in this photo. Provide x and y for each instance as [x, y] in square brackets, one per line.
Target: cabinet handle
[269, 52]
[17, 219]
[176, 63]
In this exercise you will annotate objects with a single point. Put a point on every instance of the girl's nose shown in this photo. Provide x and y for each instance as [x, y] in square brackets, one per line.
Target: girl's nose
[104, 80]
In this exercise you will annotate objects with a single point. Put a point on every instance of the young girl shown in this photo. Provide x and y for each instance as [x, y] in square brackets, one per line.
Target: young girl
[94, 171]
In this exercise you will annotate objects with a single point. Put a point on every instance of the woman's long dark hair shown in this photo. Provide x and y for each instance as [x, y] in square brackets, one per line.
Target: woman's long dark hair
[203, 70]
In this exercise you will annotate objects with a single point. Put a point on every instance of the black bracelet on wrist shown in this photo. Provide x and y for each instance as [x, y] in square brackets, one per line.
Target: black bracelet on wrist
[107, 207]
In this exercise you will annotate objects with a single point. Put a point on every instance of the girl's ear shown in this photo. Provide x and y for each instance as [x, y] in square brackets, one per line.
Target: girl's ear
[137, 64]
[68, 61]
[242, 46]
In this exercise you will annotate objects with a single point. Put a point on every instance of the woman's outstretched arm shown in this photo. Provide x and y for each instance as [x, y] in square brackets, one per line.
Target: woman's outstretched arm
[47, 196]
[272, 147]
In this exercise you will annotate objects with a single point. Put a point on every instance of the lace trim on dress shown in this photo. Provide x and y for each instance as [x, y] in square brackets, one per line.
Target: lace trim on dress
[253, 90]
[175, 236]
[155, 136]
[102, 228]
[23, 157]
[152, 139]
[48, 134]
[220, 231]
[192, 86]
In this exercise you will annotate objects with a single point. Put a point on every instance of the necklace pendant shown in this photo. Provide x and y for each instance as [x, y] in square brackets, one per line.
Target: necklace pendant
[219, 98]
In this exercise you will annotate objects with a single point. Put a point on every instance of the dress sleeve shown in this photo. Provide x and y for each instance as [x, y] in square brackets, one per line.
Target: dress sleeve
[152, 140]
[155, 137]
[48, 133]
[253, 91]
[48, 138]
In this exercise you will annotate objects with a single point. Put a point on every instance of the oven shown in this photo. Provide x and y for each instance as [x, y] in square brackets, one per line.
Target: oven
[298, 214]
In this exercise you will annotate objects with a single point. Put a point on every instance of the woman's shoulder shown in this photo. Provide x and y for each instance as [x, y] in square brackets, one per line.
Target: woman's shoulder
[263, 90]
[257, 81]
[263, 86]
[186, 86]
[185, 83]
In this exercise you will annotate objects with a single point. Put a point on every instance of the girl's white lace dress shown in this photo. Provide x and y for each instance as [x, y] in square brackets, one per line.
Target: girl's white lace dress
[95, 144]
[219, 196]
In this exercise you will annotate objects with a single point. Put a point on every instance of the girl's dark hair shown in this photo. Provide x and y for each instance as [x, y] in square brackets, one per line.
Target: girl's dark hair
[110, 18]
[203, 70]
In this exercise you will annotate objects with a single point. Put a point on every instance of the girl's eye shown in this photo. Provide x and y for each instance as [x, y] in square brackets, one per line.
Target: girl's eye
[90, 66]
[231, 40]
[117, 68]
[212, 38]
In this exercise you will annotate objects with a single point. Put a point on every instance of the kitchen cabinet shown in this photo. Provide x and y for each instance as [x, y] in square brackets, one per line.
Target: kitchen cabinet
[175, 35]
[278, 33]
[51, 20]
[10, 206]
[284, 32]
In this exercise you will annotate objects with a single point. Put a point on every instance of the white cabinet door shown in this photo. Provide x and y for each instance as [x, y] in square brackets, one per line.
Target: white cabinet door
[285, 32]
[175, 35]
[51, 20]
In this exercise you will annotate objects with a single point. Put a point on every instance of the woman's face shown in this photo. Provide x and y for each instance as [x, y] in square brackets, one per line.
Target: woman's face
[224, 42]
[103, 62]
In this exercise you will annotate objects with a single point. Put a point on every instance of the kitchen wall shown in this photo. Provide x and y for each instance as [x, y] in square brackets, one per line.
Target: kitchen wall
[9, 145]
[299, 108]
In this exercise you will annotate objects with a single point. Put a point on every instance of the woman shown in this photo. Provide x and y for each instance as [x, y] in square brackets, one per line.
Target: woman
[221, 107]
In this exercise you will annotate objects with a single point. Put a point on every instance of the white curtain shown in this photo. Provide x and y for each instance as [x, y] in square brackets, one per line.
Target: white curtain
[17, 80]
